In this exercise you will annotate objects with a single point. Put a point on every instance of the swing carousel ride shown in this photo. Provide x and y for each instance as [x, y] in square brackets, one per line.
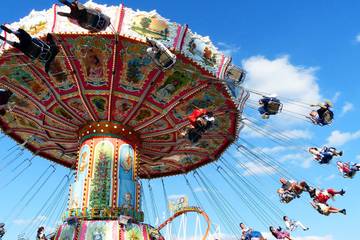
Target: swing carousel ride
[108, 110]
[120, 97]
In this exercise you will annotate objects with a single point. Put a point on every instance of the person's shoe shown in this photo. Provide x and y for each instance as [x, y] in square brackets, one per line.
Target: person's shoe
[340, 153]
[307, 229]
[342, 192]
[306, 187]
[343, 211]
[312, 192]
[265, 116]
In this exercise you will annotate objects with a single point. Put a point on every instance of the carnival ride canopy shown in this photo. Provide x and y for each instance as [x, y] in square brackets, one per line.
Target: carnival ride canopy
[106, 80]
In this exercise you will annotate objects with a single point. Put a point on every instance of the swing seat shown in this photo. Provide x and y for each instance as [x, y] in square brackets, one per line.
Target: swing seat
[42, 51]
[322, 208]
[36, 48]
[235, 74]
[194, 135]
[287, 197]
[95, 21]
[39, 50]
[326, 119]
[274, 106]
[346, 174]
[163, 57]
[2, 230]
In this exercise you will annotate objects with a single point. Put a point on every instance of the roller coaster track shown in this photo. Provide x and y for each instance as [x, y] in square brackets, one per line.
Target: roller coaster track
[188, 210]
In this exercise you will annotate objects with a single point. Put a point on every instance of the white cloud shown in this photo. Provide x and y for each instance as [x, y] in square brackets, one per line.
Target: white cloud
[292, 157]
[267, 235]
[307, 162]
[338, 138]
[302, 159]
[249, 133]
[270, 150]
[347, 108]
[21, 221]
[298, 134]
[357, 38]
[225, 237]
[228, 49]
[222, 236]
[279, 76]
[335, 98]
[176, 196]
[200, 189]
[252, 168]
[327, 237]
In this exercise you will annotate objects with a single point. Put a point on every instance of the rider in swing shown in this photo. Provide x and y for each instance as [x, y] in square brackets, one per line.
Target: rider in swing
[324, 115]
[325, 154]
[90, 19]
[200, 120]
[348, 170]
[34, 48]
[290, 190]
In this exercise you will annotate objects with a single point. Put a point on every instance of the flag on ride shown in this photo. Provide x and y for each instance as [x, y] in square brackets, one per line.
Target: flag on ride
[178, 202]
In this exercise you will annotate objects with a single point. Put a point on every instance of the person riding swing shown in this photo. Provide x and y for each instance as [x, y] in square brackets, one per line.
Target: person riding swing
[348, 170]
[323, 116]
[34, 48]
[290, 190]
[160, 54]
[201, 121]
[88, 18]
[325, 154]
[269, 106]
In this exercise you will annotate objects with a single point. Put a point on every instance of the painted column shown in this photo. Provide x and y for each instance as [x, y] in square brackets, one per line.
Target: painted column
[105, 185]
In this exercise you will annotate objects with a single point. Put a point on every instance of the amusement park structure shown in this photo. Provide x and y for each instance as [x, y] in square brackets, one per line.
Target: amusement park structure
[113, 110]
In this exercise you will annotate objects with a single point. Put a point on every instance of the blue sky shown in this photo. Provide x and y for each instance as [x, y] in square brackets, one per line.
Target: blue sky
[298, 49]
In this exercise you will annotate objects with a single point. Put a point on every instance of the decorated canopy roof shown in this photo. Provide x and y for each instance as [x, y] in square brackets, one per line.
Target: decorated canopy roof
[108, 77]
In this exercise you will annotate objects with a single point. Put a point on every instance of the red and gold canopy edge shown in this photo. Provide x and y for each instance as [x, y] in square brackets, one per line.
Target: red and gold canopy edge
[106, 78]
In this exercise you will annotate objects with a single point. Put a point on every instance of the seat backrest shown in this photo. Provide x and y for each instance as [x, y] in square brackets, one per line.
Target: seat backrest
[163, 57]
[166, 59]
[35, 50]
[274, 106]
[235, 73]
[95, 21]
[328, 116]
[287, 197]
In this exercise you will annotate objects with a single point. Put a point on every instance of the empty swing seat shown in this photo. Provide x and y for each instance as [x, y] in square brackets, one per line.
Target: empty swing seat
[235, 74]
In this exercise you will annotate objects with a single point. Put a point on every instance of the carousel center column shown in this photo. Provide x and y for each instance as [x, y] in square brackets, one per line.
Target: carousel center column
[105, 185]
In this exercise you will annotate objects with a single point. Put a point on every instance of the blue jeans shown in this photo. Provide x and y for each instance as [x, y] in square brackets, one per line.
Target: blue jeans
[326, 157]
[262, 110]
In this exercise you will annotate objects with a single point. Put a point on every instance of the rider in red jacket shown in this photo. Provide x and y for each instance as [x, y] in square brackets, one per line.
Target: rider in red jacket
[322, 196]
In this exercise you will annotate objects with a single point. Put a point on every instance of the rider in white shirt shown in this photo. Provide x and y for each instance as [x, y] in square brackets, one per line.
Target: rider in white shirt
[292, 225]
